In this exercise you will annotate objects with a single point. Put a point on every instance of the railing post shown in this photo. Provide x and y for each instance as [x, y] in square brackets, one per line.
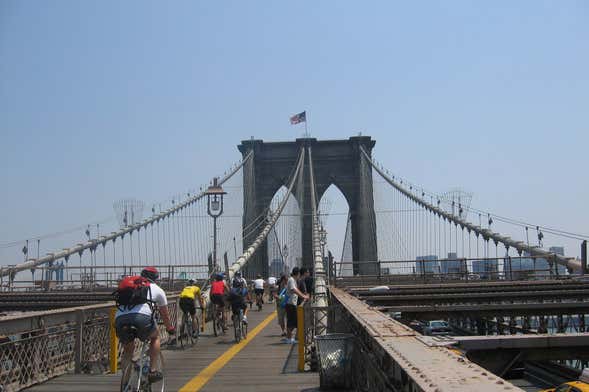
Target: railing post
[79, 336]
[113, 353]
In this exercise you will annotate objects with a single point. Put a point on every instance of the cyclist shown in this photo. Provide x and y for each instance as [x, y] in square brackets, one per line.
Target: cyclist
[219, 291]
[259, 289]
[188, 297]
[141, 316]
[239, 294]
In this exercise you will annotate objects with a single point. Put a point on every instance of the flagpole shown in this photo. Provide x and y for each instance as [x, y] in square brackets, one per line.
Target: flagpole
[306, 131]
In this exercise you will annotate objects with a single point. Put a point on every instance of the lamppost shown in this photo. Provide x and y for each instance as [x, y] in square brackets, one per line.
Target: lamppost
[215, 195]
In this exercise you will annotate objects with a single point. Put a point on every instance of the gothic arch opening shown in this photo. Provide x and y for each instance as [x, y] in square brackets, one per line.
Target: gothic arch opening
[334, 215]
[285, 249]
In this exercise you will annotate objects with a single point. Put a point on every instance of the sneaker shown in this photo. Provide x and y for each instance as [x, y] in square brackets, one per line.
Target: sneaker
[285, 340]
[293, 341]
[195, 335]
[155, 376]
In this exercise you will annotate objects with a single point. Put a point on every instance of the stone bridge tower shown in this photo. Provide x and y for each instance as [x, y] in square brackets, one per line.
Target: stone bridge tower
[337, 162]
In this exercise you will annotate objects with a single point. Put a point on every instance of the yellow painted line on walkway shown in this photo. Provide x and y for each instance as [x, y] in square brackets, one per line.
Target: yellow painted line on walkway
[204, 376]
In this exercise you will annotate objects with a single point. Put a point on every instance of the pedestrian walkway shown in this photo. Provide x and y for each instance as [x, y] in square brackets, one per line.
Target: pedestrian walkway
[260, 363]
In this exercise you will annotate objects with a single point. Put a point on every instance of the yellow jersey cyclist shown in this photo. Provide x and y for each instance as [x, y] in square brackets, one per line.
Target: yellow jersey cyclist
[188, 297]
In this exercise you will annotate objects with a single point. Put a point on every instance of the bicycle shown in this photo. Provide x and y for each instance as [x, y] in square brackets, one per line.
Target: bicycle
[218, 321]
[240, 328]
[188, 336]
[259, 301]
[135, 373]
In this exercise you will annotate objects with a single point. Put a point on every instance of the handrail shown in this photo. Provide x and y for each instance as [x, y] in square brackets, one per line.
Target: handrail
[320, 289]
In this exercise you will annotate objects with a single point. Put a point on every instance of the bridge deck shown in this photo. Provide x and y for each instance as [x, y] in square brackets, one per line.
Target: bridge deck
[262, 364]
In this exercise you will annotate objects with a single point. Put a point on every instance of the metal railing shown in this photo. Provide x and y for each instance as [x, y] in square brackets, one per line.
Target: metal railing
[462, 269]
[43, 345]
[100, 277]
[308, 318]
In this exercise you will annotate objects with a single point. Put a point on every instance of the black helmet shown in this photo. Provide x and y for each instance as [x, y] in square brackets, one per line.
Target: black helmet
[150, 273]
[191, 281]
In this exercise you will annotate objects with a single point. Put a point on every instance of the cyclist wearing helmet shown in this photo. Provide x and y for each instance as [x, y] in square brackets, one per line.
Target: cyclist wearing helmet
[239, 294]
[218, 293]
[143, 319]
[188, 297]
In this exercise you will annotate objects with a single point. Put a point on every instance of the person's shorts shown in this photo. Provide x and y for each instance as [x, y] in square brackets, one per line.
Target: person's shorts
[187, 305]
[144, 324]
[291, 316]
[259, 291]
[218, 299]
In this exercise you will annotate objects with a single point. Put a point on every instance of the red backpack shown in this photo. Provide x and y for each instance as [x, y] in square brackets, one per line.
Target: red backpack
[132, 291]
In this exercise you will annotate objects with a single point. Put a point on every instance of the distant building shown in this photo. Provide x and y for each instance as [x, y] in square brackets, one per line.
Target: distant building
[528, 267]
[486, 269]
[452, 265]
[276, 267]
[427, 264]
[519, 268]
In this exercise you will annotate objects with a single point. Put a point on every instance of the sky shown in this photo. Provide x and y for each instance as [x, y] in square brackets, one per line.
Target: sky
[106, 100]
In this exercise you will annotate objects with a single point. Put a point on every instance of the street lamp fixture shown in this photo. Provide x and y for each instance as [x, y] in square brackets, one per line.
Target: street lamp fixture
[215, 195]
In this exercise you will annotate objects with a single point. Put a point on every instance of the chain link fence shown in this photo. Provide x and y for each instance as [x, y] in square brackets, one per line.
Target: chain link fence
[39, 347]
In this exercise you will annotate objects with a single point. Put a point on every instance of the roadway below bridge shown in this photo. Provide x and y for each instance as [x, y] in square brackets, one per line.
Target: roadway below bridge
[260, 363]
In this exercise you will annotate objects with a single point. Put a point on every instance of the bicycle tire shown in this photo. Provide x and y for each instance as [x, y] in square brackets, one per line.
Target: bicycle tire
[129, 377]
[237, 328]
[190, 332]
[215, 326]
[185, 335]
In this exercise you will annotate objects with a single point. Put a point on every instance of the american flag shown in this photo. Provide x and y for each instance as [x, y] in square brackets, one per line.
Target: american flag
[299, 118]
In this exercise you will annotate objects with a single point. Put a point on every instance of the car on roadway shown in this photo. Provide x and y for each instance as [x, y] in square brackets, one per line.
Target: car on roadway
[431, 328]
[437, 327]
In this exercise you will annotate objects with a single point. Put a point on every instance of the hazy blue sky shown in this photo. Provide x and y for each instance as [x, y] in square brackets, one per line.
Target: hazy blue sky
[107, 99]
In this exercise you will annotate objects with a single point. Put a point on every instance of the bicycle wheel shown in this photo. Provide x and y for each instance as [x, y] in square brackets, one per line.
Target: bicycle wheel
[215, 323]
[131, 378]
[244, 329]
[189, 331]
[237, 328]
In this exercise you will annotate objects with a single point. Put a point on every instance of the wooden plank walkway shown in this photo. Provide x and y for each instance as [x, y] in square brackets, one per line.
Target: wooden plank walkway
[263, 364]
